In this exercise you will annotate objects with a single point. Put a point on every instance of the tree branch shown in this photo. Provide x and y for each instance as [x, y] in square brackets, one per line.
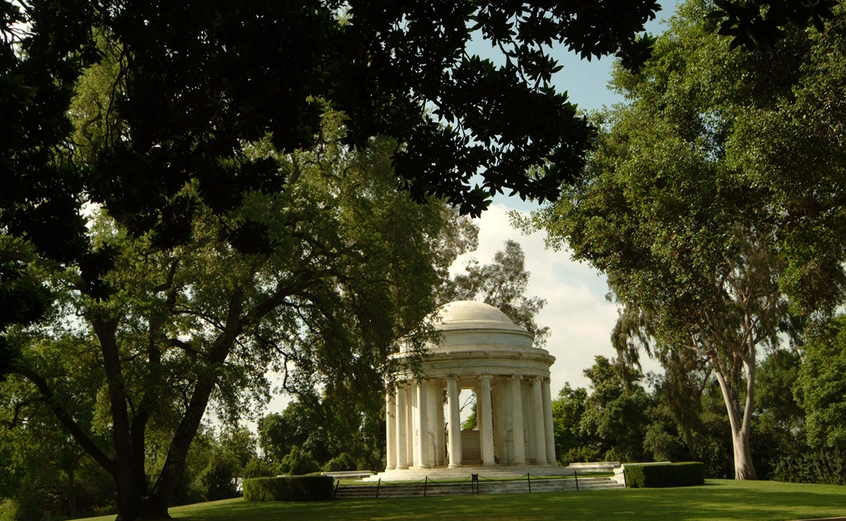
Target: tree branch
[67, 420]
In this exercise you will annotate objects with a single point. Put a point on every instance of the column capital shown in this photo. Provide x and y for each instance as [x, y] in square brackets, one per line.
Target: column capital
[451, 378]
[539, 379]
[516, 377]
[487, 377]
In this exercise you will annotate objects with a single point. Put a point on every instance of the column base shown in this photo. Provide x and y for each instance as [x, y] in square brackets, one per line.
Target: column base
[389, 468]
[424, 466]
[454, 465]
[401, 467]
[488, 464]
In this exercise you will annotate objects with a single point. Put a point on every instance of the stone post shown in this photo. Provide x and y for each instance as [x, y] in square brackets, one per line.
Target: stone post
[390, 431]
[454, 422]
[539, 422]
[517, 415]
[486, 428]
[547, 422]
[422, 427]
[402, 429]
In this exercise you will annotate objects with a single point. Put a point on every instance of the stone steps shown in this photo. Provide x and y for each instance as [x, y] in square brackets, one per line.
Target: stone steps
[427, 489]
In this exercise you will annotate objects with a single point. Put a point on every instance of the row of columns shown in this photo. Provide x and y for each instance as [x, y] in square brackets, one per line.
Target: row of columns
[505, 416]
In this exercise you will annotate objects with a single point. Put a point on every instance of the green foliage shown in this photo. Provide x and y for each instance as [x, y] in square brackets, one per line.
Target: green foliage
[665, 475]
[340, 462]
[822, 466]
[821, 385]
[218, 478]
[298, 462]
[567, 411]
[257, 468]
[294, 488]
[607, 424]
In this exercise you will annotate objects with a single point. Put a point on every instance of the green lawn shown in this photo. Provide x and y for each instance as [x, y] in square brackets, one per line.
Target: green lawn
[717, 499]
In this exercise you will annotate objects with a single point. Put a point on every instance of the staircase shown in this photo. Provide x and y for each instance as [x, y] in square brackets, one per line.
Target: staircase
[426, 488]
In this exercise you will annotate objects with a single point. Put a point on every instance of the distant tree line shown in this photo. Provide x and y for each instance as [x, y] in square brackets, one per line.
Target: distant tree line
[798, 424]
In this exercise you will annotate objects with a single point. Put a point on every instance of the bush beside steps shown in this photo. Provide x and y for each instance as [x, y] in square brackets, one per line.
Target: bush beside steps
[664, 474]
[288, 488]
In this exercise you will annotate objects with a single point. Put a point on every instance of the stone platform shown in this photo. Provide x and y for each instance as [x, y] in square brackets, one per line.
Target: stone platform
[492, 471]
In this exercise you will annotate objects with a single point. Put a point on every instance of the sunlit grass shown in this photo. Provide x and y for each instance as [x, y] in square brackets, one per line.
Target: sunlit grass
[717, 499]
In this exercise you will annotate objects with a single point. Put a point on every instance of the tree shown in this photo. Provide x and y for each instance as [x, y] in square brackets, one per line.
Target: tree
[761, 23]
[703, 220]
[197, 80]
[502, 284]
[607, 424]
[780, 420]
[349, 266]
[820, 385]
[567, 411]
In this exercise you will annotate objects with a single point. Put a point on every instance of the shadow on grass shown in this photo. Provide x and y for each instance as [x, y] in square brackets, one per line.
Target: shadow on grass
[759, 501]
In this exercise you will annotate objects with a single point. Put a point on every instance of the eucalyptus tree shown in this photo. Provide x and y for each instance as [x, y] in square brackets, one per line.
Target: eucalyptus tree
[715, 193]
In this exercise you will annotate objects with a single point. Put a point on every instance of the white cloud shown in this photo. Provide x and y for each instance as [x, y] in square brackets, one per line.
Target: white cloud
[578, 315]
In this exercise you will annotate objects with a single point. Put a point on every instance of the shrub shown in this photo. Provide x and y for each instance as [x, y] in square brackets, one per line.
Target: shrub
[298, 462]
[823, 466]
[289, 488]
[257, 468]
[217, 480]
[341, 462]
[665, 475]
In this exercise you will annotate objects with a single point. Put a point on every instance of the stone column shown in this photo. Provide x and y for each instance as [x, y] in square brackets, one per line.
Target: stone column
[528, 420]
[440, 438]
[499, 423]
[409, 422]
[422, 427]
[454, 422]
[540, 423]
[402, 429]
[431, 424]
[390, 431]
[486, 428]
[517, 415]
[508, 418]
[547, 423]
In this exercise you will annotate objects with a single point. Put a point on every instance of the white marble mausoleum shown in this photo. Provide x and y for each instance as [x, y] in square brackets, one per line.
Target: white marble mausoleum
[481, 350]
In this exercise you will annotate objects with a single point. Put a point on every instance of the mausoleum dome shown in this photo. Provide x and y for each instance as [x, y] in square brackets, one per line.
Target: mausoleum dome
[475, 326]
[469, 314]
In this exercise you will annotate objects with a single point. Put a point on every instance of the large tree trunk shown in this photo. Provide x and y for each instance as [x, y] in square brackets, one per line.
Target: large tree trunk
[741, 427]
[133, 507]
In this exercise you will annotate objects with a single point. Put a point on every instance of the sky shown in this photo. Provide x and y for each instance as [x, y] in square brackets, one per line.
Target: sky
[576, 311]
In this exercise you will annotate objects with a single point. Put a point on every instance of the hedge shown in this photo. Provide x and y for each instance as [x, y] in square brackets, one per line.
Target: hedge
[288, 488]
[665, 475]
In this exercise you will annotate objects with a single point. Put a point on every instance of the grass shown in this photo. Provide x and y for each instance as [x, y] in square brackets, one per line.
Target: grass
[717, 499]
